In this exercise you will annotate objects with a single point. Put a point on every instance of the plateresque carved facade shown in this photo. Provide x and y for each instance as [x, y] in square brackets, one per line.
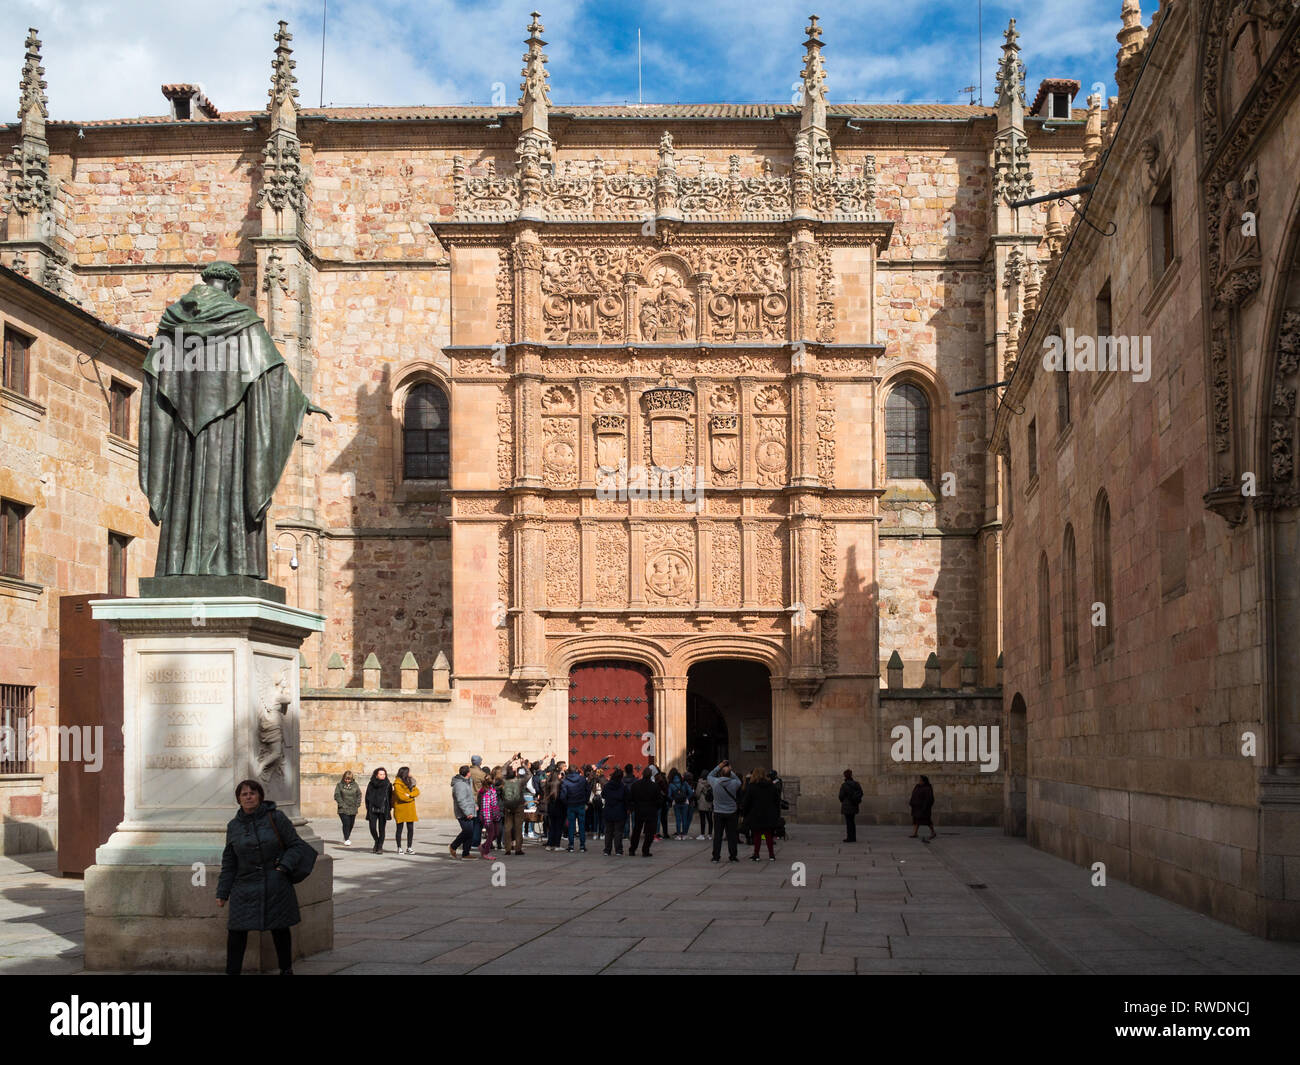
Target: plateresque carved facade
[666, 337]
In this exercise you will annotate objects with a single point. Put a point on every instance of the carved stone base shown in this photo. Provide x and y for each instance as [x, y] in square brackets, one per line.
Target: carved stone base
[210, 698]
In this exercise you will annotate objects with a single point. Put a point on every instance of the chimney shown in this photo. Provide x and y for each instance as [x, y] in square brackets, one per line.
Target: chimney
[189, 103]
[1053, 98]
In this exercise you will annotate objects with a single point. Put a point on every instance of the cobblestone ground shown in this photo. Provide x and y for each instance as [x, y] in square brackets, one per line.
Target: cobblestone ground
[974, 901]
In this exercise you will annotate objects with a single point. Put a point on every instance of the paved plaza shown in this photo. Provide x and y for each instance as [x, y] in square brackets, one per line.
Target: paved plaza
[974, 901]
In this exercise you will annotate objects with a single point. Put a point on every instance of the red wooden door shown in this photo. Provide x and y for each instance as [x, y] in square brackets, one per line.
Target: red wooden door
[610, 708]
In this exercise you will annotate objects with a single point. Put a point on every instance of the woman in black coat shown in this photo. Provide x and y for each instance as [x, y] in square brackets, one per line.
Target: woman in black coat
[922, 802]
[379, 806]
[262, 851]
[761, 808]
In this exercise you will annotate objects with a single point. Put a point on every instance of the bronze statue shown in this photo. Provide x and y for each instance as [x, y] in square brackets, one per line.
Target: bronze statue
[219, 415]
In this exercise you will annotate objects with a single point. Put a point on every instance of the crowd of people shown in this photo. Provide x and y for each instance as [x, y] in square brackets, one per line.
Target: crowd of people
[561, 805]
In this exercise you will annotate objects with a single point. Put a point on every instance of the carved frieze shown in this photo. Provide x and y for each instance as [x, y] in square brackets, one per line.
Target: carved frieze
[769, 559]
[1282, 423]
[830, 596]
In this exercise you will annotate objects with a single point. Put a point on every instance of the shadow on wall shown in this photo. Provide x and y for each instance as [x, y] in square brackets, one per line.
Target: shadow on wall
[388, 583]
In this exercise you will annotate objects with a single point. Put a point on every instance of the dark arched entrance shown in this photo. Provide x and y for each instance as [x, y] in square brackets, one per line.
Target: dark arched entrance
[706, 734]
[733, 715]
[611, 708]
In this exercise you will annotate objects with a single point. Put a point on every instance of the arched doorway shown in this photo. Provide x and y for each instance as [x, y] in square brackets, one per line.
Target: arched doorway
[1015, 810]
[733, 701]
[611, 708]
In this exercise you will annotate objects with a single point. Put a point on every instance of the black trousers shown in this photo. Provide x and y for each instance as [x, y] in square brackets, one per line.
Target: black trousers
[730, 824]
[347, 820]
[237, 943]
[663, 821]
[645, 822]
[706, 822]
[378, 829]
[614, 836]
[851, 828]
[410, 832]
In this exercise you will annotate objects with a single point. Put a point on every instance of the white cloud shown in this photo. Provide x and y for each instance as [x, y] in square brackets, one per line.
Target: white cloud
[107, 59]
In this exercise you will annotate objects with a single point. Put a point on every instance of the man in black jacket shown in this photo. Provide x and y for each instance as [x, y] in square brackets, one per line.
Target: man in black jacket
[645, 803]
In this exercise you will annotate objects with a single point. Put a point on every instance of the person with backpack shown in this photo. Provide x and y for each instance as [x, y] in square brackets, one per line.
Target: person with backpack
[615, 800]
[404, 793]
[704, 804]
[573, 796]
[850, 803]
[512, 806]
[680, 794]
[379, 806]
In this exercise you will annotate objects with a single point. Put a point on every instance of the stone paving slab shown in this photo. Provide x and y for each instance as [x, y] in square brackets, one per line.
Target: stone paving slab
[887, 905]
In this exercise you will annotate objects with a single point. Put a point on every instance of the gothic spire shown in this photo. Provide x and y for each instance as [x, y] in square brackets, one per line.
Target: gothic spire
[1011, 80]
[535, 96]
[1132, 36]
[284, 83]
[33, 106]
[814, 79]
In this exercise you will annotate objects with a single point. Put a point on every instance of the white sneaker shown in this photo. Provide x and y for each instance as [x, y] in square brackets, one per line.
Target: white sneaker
[700, 837]
[409, 851]
[347, 843]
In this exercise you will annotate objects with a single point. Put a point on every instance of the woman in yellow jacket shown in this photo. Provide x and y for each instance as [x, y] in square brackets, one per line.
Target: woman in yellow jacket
[404, 793]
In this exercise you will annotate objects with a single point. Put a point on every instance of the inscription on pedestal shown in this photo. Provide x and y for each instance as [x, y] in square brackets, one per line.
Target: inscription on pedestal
[186, 729]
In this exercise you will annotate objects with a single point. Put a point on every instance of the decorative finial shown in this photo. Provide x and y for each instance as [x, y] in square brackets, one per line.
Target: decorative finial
[1011, 71]
[283, 80]
[813, 75]
[1132, 36]
[535, 96]
[31, 89]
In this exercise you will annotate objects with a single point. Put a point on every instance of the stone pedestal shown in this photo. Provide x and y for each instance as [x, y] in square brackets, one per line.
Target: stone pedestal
[210, 690]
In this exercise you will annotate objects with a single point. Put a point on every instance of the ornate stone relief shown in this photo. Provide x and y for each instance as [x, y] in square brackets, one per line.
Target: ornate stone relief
[1235, 253]
[769, 558]
[505, 542]
[826, 433]
[771, 449]
[830, 595]
[562, 572]
[560, 432]
[670, 563]
[1282, 424]
[611, 565]
[505, 444]
[582, 191]
[726, 558]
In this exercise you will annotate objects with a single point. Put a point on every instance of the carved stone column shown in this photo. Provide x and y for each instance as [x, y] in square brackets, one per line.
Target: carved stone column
[530, 579]
[803, 286]
[670, 722]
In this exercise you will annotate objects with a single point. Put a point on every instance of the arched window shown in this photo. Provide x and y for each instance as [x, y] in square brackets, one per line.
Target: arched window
[1044, 618]
[907, 433]
[426, 436]
[1069, 599]
[1103, 621]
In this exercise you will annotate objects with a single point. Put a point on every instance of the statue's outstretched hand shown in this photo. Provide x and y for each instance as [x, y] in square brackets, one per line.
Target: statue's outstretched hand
[313, 409]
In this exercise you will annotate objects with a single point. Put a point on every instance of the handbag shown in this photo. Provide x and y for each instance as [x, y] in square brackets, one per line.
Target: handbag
[303, 869]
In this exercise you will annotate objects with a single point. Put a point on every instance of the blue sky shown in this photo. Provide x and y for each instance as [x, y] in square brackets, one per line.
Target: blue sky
[107, 59]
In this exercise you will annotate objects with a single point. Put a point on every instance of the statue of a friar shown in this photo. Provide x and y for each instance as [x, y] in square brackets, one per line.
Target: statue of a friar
[219, 415]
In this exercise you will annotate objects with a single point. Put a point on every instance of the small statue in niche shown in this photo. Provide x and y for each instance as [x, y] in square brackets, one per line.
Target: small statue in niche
[274, 698]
